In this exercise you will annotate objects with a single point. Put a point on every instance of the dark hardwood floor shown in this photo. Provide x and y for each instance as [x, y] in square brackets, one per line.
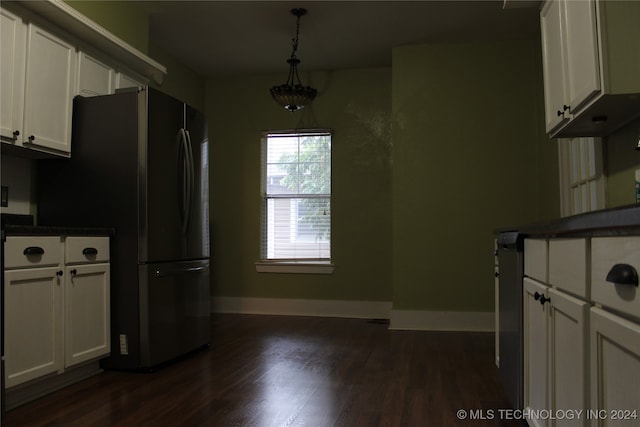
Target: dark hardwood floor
[294, 371]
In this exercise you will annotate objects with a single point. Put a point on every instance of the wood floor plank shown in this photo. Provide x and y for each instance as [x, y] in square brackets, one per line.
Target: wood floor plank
[278, 371]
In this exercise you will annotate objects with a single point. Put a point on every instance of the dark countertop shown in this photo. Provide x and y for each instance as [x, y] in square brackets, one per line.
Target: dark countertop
[22, 225]
[31, 230]
[624, 220]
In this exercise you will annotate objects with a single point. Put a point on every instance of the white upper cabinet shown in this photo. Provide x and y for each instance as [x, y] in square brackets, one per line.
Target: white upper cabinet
[38, 84]
[12, 61]
[43, 67]
[99, 77]
[589, 51]
[583, 76]
[125, 81]
[49, 90]
[94, 76]
[554, 71]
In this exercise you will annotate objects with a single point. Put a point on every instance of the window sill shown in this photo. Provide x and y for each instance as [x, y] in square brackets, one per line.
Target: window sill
[295, 267]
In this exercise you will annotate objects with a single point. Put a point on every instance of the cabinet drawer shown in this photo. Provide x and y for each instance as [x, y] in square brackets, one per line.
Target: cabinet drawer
[86, 249]
[535, 259]
[32, 251]
[568, 265]
[607, 252]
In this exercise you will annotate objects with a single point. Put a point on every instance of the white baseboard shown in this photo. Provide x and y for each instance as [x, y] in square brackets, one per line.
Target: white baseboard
[400, 319]
[302, 307]
[442, 320]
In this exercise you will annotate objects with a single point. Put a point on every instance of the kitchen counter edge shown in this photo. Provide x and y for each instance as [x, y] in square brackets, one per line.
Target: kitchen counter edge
[45, 230]
[607, 222]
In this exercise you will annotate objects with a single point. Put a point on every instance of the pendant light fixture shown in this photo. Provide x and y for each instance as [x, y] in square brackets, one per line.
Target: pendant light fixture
[292, 95]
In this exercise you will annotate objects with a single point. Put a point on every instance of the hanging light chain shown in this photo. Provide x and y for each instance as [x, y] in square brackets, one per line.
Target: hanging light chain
[293, 95]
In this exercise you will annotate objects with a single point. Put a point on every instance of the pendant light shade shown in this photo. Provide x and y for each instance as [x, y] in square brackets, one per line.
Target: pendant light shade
[292, 94]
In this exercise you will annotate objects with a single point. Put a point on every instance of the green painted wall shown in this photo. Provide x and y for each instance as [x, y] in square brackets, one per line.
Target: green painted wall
[469, 156]
[125, 19]
[356, 104]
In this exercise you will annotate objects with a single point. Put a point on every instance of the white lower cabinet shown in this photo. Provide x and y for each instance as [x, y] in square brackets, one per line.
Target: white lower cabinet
[56, 305]
[87, 313]
[580, 357]
[568, 357]
[33, 324]
[615, 370]
[555, 348]
[536, 344]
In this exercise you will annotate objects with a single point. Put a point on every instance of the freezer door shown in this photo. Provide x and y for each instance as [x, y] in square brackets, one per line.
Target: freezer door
[175, 316]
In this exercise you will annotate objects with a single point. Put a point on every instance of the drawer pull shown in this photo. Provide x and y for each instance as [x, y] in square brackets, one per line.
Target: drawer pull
[623, 274]
[33, 250]
[89, 251]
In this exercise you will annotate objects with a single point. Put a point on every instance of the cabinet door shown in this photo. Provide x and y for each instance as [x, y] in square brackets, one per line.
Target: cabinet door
[94, 77]
[568, 361]
[535, 330]
[49, 90]
[87, 313]
[615, 368]
[555, 97]
[33, 324]
[124, 81]
[12, 61]
[583, 64]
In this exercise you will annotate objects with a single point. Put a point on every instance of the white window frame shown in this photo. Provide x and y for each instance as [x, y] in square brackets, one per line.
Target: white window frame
[265, 265]
[582, 175]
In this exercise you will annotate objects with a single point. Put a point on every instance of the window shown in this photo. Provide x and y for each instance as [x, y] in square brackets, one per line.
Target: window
[296, 183]
[582, 177]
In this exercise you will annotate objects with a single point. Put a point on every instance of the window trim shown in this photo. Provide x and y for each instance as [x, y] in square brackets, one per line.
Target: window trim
[295, 266]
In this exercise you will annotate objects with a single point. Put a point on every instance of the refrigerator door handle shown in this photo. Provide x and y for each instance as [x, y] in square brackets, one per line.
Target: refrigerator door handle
[185, 177]
[191, 172]
[177, 271]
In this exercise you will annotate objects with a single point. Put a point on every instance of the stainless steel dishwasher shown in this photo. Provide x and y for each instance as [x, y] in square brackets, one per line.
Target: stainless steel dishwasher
[510, 275]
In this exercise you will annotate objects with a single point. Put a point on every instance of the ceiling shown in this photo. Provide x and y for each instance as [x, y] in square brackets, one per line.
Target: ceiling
[244, 37]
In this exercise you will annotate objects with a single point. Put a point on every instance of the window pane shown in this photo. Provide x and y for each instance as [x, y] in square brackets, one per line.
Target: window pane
[297, 217]
[583, 158]
[577, 204]
[575, 165]
[592, 158]
[299, 228]
[593, 196]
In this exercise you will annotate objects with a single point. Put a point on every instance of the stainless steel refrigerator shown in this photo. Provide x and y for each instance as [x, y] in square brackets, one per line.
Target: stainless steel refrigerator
[139, 164]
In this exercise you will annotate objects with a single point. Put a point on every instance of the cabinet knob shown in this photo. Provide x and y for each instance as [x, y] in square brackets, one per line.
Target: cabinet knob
[73, 272]
[31, 138]
[623, 274]
[59, 273]
[16, 134]
[539, 297]
[564, 108]
[496, 274]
